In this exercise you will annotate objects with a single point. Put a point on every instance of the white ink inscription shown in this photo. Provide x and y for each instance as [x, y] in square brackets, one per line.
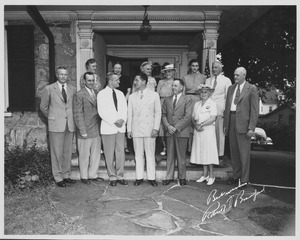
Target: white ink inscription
[232, 201]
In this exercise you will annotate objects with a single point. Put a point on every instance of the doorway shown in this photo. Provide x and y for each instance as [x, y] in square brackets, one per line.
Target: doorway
[130, 66]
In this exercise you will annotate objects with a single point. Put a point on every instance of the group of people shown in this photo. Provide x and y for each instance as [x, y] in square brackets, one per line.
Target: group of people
[192, 114]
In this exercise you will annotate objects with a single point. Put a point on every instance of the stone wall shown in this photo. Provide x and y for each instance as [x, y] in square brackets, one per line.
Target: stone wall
[25, 128]
[65, 53]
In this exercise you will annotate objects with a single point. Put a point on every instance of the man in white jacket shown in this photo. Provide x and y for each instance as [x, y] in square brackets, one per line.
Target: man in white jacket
[144, 116]
[221, 84]
[112, 108]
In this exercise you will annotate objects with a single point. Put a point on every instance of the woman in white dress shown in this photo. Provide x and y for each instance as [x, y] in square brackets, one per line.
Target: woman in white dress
[204, 148]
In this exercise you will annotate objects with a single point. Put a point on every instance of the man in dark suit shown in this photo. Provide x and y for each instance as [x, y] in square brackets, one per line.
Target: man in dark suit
[56, 105]
[240, 118]
[176, 118]
[87, 123]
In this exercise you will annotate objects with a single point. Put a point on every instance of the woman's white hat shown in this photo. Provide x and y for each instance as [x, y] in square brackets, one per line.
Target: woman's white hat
[169, 67]
[205, 86]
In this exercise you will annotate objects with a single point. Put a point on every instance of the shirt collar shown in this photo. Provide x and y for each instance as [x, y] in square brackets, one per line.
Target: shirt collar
[242, 85]
[89, 90]
[178, 96]
[143, 90]
[60, 85]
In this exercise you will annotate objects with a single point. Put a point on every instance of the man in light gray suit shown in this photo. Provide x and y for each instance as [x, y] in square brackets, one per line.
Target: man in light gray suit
[56, 105]
[144, 116]
[176, 118]
[87, 123]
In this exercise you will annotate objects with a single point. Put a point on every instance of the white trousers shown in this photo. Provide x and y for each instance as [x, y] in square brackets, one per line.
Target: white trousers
[147, 145]
[89, 157]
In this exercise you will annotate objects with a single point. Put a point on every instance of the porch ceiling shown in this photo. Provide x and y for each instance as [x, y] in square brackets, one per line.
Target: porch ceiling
[192, 40]
[237, 19]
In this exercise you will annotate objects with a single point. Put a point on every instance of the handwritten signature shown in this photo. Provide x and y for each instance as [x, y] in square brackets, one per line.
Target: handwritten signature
[233, 200]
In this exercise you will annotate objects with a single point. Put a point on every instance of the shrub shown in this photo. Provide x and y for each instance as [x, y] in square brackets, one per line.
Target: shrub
[283, 135]
[27, 167]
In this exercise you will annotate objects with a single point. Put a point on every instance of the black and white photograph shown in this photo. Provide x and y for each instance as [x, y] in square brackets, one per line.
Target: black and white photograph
[133, 120]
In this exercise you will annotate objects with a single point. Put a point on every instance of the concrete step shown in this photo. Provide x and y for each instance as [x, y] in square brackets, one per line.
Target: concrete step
[193, 172]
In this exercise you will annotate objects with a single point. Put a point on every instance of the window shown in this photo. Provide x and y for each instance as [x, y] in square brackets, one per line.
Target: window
[270, 108]
[20, 58]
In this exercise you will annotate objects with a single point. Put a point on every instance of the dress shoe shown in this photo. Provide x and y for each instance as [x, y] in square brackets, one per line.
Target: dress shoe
[232, 181]
[126, 150]
[182, 182]
[122, 182]
[113, 183]
[166, 182]
[153, 183]
[202, 179]
[138, 182]
[68, 180]
[61, 184]
[163, 152]
[211, 181]
[98, 179]
[85, 181]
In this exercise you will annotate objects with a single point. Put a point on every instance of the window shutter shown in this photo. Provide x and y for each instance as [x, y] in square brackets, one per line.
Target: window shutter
[21, 77]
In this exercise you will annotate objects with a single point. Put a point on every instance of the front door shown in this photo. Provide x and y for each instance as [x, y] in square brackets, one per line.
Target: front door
[130, 66]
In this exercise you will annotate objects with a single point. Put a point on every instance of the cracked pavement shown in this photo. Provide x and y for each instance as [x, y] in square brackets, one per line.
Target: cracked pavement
[192, 210]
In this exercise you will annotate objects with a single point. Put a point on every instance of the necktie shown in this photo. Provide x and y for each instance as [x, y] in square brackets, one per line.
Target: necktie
[63, 92]
[115, 99]
[237, 95]
[174, 102]
[141, 95]
[215, 83]
[93, 95]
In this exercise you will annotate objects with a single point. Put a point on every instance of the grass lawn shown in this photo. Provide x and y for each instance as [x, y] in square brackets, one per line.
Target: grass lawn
[30, 212]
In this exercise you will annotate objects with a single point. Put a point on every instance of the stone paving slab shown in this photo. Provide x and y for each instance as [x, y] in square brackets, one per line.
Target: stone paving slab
[116, 225]
[180, 209]
[234, 228]
[156, 219]
[192, 210]
[192, 232]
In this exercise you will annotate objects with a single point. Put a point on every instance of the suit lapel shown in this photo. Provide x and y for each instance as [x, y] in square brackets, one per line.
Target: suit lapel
[169, 102]
[179, 102]
[88, 97]
[58, 92]
[142, 102]
[244, 91]
[69, 90]
[137, 100]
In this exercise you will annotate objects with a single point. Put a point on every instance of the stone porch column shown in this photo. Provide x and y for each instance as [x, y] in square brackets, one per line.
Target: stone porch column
[210, 37]
[84, 43]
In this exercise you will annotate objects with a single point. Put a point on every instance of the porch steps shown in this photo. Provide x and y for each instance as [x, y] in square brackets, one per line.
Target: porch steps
[193, 172]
